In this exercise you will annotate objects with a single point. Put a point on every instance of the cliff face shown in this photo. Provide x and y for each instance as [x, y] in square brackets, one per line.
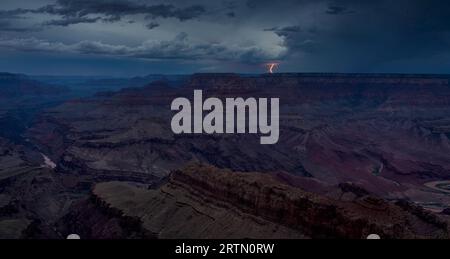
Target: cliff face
[205, 202]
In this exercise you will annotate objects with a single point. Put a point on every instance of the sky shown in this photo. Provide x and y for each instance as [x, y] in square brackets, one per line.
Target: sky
[139, 37]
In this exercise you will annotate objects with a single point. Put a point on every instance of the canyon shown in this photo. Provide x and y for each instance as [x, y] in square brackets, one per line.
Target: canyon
[357, 154]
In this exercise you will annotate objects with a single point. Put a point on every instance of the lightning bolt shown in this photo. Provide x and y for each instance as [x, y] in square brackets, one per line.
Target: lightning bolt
[271, 67]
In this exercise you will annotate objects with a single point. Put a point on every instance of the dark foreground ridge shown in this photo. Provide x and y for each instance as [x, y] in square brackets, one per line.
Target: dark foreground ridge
[205, 202]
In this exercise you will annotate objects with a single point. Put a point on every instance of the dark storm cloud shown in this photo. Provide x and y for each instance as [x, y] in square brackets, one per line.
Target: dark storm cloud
[64, 22]
[295, 38]
[7, 26]
[180, 47]
[229, 8]
[152, 25]
[112, 9]
[310, 35]
[336, 10]
[112, 18]
[13, 14]
[285, 31]
[71, 20]
[368, 35]
[185, 13]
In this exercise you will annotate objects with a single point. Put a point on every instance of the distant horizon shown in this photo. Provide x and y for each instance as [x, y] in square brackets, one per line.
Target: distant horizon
[105, 76]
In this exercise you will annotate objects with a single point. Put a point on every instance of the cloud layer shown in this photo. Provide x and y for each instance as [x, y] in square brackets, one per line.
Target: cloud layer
[114, 9]
[178, 48]
[302, 35]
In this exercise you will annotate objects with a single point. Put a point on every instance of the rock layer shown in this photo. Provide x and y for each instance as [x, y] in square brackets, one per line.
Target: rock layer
[206, 202]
